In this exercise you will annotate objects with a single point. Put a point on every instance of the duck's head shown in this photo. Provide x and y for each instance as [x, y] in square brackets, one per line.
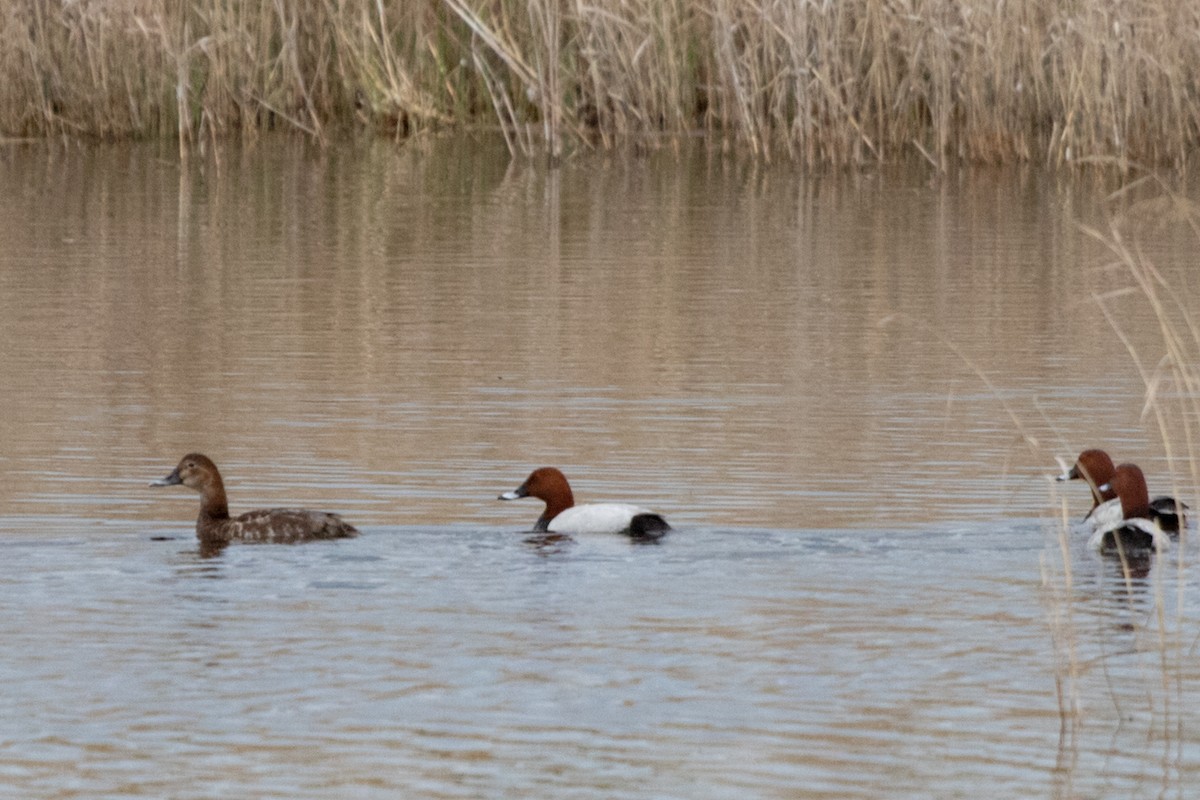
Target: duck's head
[547, 484]
[196, 471]
[1096, 467]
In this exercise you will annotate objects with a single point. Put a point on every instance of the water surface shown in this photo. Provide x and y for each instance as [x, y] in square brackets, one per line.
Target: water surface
[846, 390]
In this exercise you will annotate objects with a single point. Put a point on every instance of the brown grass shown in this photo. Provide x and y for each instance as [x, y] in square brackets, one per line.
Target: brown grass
[841, 82]
[1141, 211]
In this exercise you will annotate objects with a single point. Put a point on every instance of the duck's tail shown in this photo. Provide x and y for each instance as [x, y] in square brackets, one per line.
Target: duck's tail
[1170, 513]
[648, 526]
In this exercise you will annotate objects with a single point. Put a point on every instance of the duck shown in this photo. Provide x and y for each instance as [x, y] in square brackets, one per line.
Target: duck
[214, 526]
[563, 516]
[1137, 530]
[1096, 467]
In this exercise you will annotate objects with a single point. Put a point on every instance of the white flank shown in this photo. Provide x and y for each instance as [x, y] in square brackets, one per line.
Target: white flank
[1161, 541]
[1106, 516]
[596, 518]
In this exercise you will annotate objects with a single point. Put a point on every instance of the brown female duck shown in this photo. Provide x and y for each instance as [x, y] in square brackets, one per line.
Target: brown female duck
[214, 526]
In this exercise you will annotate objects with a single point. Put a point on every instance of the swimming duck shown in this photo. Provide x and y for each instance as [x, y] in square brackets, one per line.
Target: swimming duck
[563, 516]
[1136, 530]
[1096, 467]
[278, 525]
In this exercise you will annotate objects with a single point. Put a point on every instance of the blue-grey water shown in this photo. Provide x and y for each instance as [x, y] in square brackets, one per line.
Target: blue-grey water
[847, 392]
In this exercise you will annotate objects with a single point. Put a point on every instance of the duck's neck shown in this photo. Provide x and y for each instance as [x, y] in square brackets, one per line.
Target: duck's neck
[213, 505]
[558, 503]
[1136, 505]
[1137, 512]
[214, 513]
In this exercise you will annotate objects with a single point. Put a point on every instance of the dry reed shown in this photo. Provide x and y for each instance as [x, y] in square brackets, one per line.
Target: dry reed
[842, 82]
[1171, 380]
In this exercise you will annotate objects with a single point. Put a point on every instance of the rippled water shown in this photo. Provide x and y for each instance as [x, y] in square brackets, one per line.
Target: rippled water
[459, 661]
[846, 391]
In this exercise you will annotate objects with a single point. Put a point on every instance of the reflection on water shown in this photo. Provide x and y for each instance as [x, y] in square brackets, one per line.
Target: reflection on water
[405, 333]
[829, 382]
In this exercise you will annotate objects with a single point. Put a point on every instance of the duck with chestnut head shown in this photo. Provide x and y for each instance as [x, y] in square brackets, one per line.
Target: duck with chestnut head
[561, 515]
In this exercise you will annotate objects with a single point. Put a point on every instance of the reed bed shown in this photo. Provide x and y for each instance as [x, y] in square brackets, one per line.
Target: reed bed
[829, 81]
[1150, 604]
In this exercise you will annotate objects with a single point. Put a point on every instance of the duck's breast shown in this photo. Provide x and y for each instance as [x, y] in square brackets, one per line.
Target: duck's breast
[1105, 515]
[597, 518]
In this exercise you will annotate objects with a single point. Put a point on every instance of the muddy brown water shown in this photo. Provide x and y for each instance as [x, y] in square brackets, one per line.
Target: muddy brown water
[846, 391]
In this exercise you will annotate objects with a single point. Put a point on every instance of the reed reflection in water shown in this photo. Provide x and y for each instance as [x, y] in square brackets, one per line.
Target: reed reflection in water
[866, 596]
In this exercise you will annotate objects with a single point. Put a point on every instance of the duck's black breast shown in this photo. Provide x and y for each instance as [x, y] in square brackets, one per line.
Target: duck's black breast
[286, 526]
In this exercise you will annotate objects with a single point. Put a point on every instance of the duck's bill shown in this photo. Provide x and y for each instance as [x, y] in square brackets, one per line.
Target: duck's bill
[171, 480]
[1068, 470]
[515, 494]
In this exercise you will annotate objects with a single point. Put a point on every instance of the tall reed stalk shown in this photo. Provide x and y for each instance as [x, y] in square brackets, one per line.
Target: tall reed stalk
[1171, 378]
[821, 81]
